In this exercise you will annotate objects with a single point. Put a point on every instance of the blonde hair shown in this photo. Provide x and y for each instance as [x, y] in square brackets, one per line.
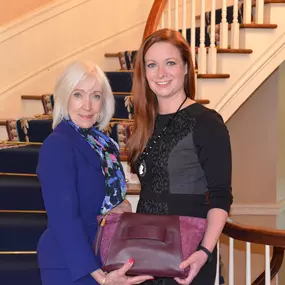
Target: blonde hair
[68, 81]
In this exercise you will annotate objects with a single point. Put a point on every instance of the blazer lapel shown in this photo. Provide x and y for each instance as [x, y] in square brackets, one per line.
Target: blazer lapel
[79, 141]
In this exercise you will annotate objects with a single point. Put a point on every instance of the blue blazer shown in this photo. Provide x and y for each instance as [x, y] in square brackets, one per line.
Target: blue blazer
[73, 189]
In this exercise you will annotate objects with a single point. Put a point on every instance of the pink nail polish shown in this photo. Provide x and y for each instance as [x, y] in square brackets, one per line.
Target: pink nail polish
[131, 260]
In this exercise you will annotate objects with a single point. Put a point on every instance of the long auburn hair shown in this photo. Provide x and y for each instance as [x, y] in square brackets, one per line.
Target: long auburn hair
[145, 101]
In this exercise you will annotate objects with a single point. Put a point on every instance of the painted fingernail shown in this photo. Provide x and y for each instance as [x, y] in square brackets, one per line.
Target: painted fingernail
[131, 260]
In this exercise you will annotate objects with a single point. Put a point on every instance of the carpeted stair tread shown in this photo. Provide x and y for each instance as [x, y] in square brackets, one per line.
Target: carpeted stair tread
[39, 130]
[20, 193]
[21, 231]
[124, 106]
[19, 159]
[120, 81]
[19, 269]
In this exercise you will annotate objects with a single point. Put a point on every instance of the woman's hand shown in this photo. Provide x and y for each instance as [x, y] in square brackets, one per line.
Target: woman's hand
[125, 206]
[195, 261]
[118, 277]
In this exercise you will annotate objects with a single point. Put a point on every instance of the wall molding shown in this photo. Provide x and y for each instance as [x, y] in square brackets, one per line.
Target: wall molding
[252, 79]
[37, 17]
[262, 209]
[62, 59]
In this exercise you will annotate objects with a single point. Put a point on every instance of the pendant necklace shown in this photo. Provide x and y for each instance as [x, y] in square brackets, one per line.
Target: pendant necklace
[142, 165]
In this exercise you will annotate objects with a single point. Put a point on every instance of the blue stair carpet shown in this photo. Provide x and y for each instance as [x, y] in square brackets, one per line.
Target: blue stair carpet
[21, 231]
[19, 269]
[120, 81]
[20, 193]
[36, 129]
[19, 159]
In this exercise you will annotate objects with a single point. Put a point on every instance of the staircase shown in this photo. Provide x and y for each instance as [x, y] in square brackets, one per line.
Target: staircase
[220, 85]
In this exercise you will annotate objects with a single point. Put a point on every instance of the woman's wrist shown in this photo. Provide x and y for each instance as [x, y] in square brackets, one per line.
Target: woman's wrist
[99, 276]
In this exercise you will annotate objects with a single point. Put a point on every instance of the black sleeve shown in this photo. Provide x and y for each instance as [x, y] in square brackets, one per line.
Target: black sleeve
[212, 141]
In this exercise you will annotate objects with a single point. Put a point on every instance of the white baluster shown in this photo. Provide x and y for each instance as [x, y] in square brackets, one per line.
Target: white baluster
[248, 264]
[247, 11]
[267, 265]
[217, 280]
[231, 261]
[162, 21]
[212, 56]
[169, 14]
[259, 12]
[176, 15]
[184, 15]
[235, 27]
[202, 49]
[224, 27]
[193, 32]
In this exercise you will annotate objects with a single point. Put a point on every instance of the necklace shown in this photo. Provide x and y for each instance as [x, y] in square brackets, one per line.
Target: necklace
[142, 165]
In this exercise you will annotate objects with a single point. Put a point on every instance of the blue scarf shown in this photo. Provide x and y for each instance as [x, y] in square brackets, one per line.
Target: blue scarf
[109, 153]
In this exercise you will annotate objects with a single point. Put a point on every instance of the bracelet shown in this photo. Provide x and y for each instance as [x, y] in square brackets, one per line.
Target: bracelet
[208, 253]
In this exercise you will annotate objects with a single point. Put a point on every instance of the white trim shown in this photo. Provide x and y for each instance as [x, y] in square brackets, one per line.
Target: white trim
[37, 16]
[264, 209]
[252, 78]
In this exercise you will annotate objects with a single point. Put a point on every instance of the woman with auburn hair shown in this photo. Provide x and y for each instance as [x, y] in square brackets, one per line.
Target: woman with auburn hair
[179, 149]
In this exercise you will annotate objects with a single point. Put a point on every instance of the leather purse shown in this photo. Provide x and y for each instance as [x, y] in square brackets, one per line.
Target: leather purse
[157, 243]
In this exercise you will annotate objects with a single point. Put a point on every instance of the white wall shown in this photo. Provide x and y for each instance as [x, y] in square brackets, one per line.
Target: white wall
[35, 50]
[14, 9]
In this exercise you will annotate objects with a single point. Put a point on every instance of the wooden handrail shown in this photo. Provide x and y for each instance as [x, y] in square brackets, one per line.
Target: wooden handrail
[154, 17]
[256, 235]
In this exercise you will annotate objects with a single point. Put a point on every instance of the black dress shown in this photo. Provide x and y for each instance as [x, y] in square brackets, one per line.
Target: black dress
[188, 172]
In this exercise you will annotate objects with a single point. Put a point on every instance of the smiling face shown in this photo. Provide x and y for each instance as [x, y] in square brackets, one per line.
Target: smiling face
[85, 102]
[165, 71]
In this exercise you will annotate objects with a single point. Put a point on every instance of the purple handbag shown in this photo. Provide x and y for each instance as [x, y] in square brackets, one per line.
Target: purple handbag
[157, 243]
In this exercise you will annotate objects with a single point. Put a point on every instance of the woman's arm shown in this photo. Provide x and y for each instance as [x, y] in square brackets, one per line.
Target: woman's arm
[214, 152]
[216, 220]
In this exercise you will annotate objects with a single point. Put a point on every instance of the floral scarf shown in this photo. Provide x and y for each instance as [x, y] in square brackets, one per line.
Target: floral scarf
[112, 169]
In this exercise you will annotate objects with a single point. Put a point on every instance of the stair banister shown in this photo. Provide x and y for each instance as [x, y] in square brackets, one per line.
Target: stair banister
[154, 17]
[258, 235]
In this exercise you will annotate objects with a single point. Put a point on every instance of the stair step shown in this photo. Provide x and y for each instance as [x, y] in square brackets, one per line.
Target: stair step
[20, 193]
[234, 50]
[116, 94]
[19, 269]
[32, 97]
[258, 26]
[20, 231]
[219, 50]
[213, 76]
[19, 158]
[38, 130]
[118, 129]
[120, 81]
